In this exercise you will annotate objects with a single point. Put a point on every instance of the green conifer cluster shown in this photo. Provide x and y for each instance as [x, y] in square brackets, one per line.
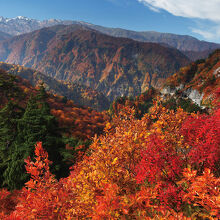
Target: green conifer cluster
[21, 129]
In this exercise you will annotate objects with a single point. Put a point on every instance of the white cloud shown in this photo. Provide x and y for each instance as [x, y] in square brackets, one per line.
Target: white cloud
[209, 33]
[206, 34]
[203, 9]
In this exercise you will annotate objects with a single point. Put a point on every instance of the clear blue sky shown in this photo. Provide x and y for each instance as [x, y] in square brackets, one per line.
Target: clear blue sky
[199, 18]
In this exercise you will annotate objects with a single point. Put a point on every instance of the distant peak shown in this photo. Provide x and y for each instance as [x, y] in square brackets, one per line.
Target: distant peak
[54, 20]
[18, 18]
[84, 23]
[21, 18]
[2, 18]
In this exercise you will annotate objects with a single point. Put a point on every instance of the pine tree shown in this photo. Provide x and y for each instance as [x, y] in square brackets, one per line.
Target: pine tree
[37, 124]
[9, 116]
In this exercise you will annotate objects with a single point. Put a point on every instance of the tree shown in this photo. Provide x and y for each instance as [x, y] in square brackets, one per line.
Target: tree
[9, 116]
[36, 124]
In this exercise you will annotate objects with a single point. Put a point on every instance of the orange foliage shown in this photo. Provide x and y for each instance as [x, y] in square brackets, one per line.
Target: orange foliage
[138, 170]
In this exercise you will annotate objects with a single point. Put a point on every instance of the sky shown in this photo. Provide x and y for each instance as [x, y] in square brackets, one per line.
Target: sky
[198, 18]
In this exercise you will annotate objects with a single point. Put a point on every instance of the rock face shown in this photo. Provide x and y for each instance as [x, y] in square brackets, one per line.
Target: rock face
[193, 94]
[114, 66]
[198, 81]
[168, 90]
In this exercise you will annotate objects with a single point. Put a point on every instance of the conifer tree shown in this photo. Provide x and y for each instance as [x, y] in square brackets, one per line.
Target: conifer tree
[9, 116]
[37, 124]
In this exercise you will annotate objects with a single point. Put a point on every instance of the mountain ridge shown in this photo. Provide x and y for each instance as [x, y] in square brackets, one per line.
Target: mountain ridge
[75, 53]
[185, 43]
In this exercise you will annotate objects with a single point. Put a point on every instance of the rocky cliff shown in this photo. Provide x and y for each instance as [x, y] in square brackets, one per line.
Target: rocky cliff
[114, 66]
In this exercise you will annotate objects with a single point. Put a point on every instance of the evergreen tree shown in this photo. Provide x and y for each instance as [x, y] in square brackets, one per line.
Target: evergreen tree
[9, 116]
[37, 124]
[15, 174]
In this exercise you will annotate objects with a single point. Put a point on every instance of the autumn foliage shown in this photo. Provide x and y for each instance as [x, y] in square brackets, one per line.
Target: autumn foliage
[163, 166]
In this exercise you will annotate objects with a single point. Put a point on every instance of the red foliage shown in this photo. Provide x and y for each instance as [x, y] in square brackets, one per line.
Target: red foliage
[138, 170]
[202, 135]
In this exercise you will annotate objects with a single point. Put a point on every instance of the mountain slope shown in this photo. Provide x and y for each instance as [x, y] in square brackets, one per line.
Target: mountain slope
[81, 95]
[190, 46]
[114, 66]
[74, 120]
[4, 36]
[180, 42]
[199, 81]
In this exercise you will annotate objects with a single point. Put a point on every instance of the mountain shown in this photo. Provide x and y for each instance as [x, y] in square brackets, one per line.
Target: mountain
[75, 53]
[180, 42]
[21, 25]
[198, 81]
[81, 95]
[190, 46]
[4, 36]
[194, 88]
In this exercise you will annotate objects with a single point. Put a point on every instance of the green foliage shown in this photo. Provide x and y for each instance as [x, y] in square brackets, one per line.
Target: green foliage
[15, 175]
[8, 87]
[9, 116]
[140, 103]
[188, 106]
[37, 124]
[64, 100]
[20, 131]
[77, 148]
[191, 73]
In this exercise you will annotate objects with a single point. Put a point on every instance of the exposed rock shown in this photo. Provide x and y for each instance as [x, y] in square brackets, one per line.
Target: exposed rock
[194, 95]
[113, 66]
[168, 90]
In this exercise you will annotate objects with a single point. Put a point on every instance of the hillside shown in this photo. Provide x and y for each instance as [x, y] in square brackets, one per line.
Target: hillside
[198, 81]
[4, 36]
[114, 66]
[162, 166]
[190, 46]
[79, 121]
[180, 42]
[81, 95]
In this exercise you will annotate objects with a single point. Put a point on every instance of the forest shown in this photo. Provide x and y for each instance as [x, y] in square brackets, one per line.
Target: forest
[110, 117]
[152, 156]
[163, 164]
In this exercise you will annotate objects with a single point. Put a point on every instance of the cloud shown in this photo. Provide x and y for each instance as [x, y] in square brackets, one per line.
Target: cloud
[202, 9]
[209, 33]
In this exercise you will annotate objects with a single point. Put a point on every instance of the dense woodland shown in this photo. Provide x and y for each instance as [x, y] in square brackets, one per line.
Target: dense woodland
[109, 123]
[29, 115]
[145, 158]
[162, 166]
